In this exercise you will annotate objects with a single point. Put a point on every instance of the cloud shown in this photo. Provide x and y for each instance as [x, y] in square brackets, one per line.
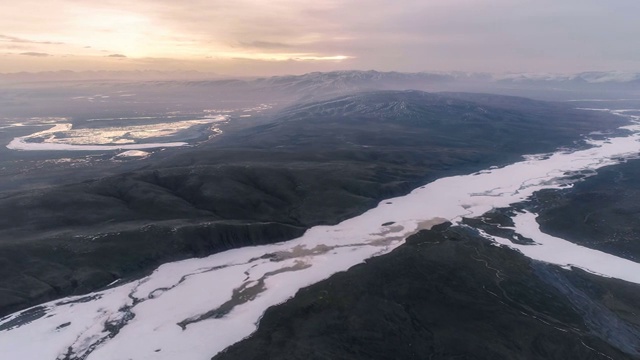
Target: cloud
[266, 45]
[418, 35]
[16, 47]
[13, 39]
[35, 54]
[117, 56]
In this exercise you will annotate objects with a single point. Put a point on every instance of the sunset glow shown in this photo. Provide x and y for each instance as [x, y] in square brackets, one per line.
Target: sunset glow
[327, 35]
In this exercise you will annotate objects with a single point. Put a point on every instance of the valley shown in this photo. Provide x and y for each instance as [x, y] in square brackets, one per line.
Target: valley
[168, 212]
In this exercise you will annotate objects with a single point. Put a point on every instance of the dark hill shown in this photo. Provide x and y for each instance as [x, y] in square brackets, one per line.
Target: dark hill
[449, 293]
[313, 164]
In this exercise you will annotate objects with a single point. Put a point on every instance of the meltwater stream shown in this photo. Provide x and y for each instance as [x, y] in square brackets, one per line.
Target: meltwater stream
[196, 308]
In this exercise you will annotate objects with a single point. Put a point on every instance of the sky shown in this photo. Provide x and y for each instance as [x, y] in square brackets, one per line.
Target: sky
[272, 37]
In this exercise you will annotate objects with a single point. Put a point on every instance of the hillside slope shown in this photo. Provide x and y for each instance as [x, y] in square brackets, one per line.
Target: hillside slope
[314, 164]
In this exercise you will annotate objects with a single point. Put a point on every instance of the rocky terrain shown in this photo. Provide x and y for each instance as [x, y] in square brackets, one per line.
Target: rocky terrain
[450, 293]
[313, 164]
[600, 212]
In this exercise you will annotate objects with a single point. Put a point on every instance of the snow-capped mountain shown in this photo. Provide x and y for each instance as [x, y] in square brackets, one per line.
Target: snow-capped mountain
[593, 77]
[324, 85]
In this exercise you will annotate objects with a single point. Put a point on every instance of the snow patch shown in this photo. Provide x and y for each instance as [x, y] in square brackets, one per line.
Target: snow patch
[134, 153]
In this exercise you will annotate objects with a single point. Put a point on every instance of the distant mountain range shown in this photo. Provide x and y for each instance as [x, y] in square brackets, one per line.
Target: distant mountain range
[339, 79]
[593, 77]
[324, 85]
